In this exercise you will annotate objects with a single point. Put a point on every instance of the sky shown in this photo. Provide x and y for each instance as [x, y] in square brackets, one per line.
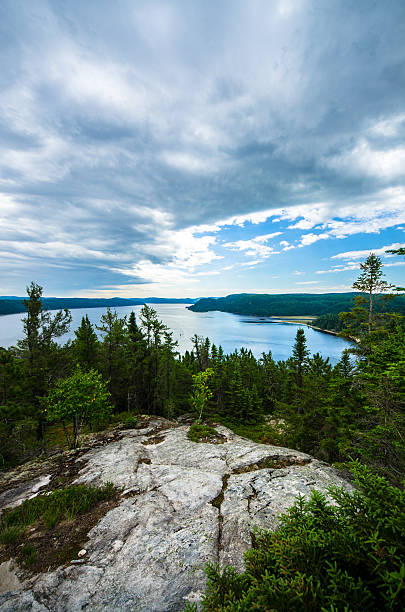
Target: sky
[188, 148]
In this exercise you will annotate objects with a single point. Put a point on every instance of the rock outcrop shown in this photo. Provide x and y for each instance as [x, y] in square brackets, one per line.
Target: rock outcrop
[182, 504]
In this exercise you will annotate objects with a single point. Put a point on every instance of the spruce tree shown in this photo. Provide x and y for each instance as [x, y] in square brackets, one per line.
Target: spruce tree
[86, 345]
[299, 355]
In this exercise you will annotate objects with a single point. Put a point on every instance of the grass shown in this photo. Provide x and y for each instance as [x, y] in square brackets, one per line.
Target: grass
[51, 509]
[10, 534]
[28, 554]
[72, 510]
[198, 432]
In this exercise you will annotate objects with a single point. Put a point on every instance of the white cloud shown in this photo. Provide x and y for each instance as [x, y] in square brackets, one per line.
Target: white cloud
[355, 266]
[366, 252]
[190, 162]
[363, 159]
[254, 247]
[389, 126]
[307, 239]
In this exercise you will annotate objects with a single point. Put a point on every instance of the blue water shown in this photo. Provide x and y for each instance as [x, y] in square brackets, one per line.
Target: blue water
[231, 331]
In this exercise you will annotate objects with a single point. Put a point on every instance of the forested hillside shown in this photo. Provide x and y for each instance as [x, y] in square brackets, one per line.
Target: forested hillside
[290, 304]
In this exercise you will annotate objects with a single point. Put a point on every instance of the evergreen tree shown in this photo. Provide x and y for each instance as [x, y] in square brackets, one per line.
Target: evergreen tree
[136, 353]
[299, 355]
[370, 281]
[113, 329]
[39, 349]
[86, 345]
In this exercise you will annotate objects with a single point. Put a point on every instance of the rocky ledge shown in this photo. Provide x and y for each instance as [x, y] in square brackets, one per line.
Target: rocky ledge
[181, 505]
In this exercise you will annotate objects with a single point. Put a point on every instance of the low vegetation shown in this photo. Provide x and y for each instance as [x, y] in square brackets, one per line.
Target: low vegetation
[50, 509]
[199, 432]
[343, 554]
[48, 529]
[131, 422]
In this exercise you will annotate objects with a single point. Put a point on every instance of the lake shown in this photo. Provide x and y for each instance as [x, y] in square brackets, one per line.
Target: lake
[231, 331]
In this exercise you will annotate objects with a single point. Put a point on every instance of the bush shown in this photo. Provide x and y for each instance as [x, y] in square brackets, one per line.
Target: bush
[346, 555]
[199, 432]
[131, 422]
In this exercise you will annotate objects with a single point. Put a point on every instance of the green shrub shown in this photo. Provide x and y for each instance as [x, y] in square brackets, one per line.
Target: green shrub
[131, 422]
[342, 556]
[198, 432]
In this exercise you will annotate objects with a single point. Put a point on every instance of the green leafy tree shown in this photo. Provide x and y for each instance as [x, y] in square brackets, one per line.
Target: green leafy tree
[113, 331]
[81, 397]
[201, 391]
[7, 372]
[136, 355]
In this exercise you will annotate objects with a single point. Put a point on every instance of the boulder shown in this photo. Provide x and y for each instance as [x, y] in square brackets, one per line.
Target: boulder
[182, 505]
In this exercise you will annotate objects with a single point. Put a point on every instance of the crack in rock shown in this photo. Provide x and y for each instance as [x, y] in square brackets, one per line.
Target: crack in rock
[217, 502]
[275, 462]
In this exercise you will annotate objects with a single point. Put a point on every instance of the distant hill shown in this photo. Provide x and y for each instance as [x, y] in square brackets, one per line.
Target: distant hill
[287, 304]
[14, 304]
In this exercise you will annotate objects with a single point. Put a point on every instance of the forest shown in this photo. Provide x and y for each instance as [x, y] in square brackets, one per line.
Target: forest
[336, 557]
[293, 304]
[353, 410]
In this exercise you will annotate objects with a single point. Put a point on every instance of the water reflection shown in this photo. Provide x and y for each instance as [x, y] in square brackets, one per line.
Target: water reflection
[259, 334]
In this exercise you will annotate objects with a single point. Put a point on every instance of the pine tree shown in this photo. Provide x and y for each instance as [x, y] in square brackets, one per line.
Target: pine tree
[38, 347]
[370, 281]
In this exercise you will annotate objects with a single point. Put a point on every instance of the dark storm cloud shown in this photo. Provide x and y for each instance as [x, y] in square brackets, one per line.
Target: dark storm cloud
[125, 122]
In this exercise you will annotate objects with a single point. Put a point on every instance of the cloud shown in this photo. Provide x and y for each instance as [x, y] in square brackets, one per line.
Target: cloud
[254, 247]
[365, 160]
[307, 239]
[366, 252]
[355, 266]
[126, 134]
